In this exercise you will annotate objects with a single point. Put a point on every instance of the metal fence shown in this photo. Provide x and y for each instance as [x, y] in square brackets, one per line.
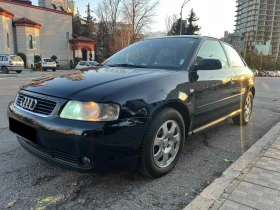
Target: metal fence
[63, 64]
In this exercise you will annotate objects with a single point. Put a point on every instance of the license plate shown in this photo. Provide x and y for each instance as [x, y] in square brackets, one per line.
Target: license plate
[23, 130]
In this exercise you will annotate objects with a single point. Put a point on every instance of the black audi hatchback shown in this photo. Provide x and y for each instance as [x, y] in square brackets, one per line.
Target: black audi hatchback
[136, 110]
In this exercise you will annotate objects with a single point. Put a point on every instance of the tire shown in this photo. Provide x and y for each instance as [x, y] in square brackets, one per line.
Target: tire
[18, 71]
[154, 144]
[247, 106]
[54, 70]
[5, 70]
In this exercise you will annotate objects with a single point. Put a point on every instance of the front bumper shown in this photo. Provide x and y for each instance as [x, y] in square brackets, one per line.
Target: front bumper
[63, 142]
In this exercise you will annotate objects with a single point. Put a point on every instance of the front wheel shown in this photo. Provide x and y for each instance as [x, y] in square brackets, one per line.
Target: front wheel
[247, 106]
[54, 70]
[162, 144]
[18, 71]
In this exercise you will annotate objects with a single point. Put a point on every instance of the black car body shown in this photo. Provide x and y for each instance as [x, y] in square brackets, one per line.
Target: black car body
[202, 98]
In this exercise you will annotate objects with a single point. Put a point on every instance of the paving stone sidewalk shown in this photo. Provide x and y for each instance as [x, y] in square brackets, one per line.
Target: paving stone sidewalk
[251, 182]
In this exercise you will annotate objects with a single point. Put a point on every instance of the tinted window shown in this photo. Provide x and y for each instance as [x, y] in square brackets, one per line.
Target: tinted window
[234, 57]
[167, 53]
[212, 49]
[48, 60]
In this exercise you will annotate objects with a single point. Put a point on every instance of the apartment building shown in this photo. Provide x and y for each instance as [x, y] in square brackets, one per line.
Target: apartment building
[259, 23]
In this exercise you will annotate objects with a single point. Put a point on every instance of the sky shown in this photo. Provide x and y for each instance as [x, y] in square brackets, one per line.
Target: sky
[215, 16]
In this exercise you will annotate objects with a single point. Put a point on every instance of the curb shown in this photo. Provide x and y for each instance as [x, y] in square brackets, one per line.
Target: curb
[216, 193]
[8, 75]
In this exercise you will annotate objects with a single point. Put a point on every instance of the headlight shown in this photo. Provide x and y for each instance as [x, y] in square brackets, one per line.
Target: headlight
[90, 111]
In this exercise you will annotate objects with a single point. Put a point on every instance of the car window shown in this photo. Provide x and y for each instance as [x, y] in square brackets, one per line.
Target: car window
[167, 53]
[92, 63]
[212, 49]
[4, 58]
[16, 58]
[48, 60]
[82, 63]
[234, 57]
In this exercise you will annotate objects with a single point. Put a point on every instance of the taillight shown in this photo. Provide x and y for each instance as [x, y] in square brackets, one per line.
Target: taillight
[11, 63]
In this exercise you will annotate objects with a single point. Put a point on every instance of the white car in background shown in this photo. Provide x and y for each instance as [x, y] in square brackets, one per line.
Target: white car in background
[271, 74]
[48, 63]
[86, 64]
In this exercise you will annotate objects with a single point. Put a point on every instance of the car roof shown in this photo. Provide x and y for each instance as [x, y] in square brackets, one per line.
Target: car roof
[184, 36]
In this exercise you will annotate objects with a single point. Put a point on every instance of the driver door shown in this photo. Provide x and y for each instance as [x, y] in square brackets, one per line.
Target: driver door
[213, 87]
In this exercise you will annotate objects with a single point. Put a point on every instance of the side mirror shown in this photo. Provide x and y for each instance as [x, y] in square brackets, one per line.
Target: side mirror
[208, 64]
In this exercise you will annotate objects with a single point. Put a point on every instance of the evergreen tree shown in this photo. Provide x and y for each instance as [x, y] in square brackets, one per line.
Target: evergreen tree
[175, 30]
[192, 29]
[77, 25]
[89, 26]
[103, 38]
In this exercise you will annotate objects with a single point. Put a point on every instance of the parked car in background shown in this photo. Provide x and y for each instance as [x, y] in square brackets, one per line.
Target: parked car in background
[136, 110]
[86, 64]
[48, 63]
[277, 73]
[255, 72]
[11, 63]
[271, 74]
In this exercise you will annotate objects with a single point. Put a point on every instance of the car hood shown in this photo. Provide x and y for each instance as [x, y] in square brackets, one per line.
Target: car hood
[93, 84]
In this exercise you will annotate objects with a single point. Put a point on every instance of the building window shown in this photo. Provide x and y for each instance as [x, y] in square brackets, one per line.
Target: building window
[31, 43]
[8, 40]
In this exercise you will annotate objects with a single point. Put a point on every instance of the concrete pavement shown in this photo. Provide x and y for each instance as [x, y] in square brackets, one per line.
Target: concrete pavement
[251, 182]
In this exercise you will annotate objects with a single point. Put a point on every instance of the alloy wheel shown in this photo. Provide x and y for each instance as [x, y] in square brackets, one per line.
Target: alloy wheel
[247, 109]
[166, 143]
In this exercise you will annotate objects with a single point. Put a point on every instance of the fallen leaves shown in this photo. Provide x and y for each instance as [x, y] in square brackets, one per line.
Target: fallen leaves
[11, 204]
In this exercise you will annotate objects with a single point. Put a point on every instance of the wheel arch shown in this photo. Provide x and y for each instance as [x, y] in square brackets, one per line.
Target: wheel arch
[182, 109]
[253, 90]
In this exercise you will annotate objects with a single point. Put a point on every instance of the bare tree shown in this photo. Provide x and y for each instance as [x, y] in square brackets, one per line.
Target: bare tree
[138, 14]
[170, 20]
[108, 12]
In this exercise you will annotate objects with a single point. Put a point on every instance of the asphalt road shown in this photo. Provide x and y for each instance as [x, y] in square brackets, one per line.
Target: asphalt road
[34, 184]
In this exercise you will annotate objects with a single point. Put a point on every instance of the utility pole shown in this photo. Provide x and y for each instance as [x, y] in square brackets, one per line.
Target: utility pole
[185, 2]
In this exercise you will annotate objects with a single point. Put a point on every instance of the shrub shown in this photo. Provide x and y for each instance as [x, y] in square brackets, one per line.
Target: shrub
[37, 58]
[23, 57]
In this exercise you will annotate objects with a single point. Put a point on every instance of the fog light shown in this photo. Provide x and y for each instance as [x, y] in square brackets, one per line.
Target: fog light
[86, 161]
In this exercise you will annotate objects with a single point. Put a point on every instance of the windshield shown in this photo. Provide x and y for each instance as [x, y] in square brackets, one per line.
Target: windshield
[165, 53]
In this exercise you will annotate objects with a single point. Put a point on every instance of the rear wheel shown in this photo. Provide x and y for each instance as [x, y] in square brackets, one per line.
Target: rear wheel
[5, 70]
[244, 117]
[162, 144]
[18, 71]
[54, 69]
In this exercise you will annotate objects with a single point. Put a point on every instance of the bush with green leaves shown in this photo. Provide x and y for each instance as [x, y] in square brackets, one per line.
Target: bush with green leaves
[23, 57]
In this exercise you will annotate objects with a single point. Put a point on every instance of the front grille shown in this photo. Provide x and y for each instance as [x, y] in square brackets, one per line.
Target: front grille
[51, 153]
[43, 106]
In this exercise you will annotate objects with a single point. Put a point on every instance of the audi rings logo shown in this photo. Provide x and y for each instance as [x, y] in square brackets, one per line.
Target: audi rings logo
[28, 103]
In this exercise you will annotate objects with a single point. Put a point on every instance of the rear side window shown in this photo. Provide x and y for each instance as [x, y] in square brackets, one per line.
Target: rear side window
[212, 49]
[234, 57]
[82, 63]
[3, 58]
[16, 58]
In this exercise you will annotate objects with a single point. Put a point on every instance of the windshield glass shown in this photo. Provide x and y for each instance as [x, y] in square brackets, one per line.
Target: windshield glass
[166, 53]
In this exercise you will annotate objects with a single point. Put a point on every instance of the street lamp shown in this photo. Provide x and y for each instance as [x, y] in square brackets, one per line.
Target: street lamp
[185, 2]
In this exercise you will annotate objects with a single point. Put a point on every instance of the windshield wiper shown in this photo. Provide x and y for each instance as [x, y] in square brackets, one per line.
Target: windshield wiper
[126, 65]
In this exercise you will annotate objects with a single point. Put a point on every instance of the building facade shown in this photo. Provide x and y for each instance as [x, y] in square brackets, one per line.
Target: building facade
[235, 39]
[259, 23]
[32, 30]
